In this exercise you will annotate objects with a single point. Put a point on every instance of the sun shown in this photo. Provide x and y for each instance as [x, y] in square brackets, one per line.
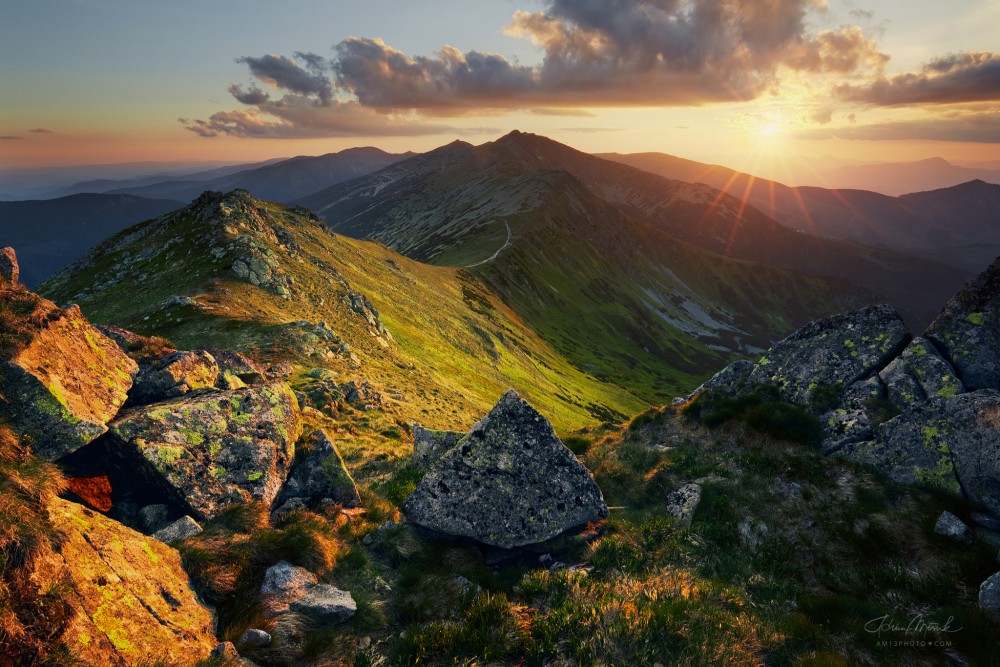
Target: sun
[770, 129]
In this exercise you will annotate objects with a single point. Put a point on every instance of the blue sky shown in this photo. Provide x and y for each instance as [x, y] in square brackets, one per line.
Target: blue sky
[109, 79]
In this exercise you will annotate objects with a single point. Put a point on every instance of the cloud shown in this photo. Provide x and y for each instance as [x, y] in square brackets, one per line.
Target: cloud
[960, 77]
[594, 53]
[41, 130]
[975, 127]
[299, 117]
[8, 137]
[822, 116]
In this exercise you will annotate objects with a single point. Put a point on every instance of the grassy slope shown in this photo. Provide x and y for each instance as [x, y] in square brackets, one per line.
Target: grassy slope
[457, 347]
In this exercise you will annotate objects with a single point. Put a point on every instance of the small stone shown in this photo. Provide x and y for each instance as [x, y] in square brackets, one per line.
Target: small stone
[181, 529]
[989, 596]
[255, 638]
[682, 503]
[950, 526]
[225, 650]
[326, 605]
[285, 583]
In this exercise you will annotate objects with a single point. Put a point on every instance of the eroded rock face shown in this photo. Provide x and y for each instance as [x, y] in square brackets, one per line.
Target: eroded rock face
[66, 383]
[510, 482]
[174, 375]
[918, 374]
[972, 433]
[834, 351]
[10, 271]
[319, 477]
[968, 331]
[132, 597]
[208, 449]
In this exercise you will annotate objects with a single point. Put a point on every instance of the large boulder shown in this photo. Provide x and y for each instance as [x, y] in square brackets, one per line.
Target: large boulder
[968, 331]
[952, 443]
[131, 597]
[918, 374]
[211, 448]
[62, 380]
[173, 375]
[510, 482]
[318, 477]
[832, 352]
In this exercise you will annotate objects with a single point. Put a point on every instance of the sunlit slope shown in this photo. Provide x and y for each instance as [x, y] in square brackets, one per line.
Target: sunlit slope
[452, 347]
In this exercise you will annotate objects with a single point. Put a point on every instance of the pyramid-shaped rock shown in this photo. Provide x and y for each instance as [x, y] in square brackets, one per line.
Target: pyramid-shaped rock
[510, 482]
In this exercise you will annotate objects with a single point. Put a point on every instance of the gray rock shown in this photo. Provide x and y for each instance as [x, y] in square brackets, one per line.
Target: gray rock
[285, 583]
[950, 526]
[682, 503]
[318, 477]
[989, 596]
[255, 638]
[210, 449]
[967, 332]
[326, 605]
[842, 427]
[429, 446]
[153, 517]
[10, 271]
[181, 529]
[510, 482]
[969, 426]
[986, 521]
[726, 382]
[831, 352]
[919, 373]
[174, 375]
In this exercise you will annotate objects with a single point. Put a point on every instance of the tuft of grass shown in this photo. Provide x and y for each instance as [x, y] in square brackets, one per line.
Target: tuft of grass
[774, 418]
[577, 444]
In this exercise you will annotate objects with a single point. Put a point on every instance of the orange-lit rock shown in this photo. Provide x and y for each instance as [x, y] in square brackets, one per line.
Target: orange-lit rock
[94, 491]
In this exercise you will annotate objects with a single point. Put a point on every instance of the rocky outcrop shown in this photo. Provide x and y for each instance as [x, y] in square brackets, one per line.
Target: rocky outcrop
[510, 482]
[429, 446]
[131, 597]
[989, 596]
[832, 352]
[239, 365]
[64, 382]
[918, 374]
[318, 478]
[10, 271]
[174, 375]
[209, 449]
[968, 331]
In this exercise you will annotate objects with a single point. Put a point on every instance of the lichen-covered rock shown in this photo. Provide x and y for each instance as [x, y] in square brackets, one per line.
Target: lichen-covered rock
[967, 332]
[65, 383]
[682, 503]
[919, 373]
[834, 352]
[726, 382]
[428, 445]
[240, 365]
[208, 449]
[174, 375]
[181, 529]
[851, 422]
[951, 443]
[972, 433]
[950, 526]
[132, 597]
[510, 482]
[319, 477]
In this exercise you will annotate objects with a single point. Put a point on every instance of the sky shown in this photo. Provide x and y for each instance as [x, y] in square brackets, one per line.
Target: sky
[739, 82]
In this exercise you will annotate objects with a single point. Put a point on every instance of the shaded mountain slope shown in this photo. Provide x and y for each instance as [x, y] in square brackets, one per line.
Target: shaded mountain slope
[48, 234]
[283, 181]
[960, 228]
[259, 277]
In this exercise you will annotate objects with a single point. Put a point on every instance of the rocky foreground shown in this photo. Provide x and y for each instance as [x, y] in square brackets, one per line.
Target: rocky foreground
[208, 454]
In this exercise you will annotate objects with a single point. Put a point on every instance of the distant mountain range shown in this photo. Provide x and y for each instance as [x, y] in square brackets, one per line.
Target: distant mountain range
[957, 225]
[657, 268]
[48, 234]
